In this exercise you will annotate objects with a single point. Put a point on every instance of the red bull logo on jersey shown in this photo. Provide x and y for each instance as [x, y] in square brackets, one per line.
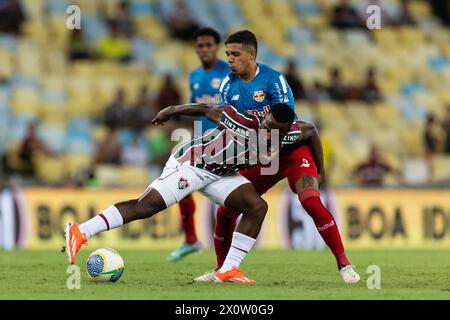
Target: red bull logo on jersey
[215, 83]
[259, 95]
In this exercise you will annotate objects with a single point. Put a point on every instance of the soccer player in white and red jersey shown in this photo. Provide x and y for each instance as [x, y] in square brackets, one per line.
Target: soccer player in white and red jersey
[204, 82]
[255, 87]
[208, 164]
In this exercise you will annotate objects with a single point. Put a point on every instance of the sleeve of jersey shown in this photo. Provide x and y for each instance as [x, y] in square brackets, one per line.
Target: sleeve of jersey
[280, 92]
[223, 89]
[233, 118]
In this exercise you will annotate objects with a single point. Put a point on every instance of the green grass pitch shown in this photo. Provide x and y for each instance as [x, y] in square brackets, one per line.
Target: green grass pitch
[417, 274]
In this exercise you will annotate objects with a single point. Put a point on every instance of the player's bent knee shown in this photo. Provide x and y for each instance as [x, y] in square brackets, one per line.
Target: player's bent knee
[259, 208]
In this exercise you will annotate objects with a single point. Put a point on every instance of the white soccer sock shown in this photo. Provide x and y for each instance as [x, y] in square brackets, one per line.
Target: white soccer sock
[107, 220]
[240, 246]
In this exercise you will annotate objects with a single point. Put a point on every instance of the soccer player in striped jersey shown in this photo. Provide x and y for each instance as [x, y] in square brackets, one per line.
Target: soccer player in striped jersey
[255, 87]
[204, 86]
[208, 164]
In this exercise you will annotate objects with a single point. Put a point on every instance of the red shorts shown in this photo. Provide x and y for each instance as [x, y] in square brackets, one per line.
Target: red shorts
[295, 165]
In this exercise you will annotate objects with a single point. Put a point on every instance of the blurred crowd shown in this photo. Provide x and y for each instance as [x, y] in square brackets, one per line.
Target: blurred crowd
[336, 89]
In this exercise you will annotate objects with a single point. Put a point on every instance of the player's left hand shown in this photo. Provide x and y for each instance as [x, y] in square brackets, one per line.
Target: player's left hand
[161, 117]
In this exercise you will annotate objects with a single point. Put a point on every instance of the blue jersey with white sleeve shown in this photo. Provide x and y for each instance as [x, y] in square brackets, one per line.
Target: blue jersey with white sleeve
[267, 88]
[204, 86]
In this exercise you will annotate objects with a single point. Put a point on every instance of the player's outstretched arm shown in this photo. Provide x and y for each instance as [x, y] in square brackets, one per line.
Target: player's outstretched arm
[211, 112]
[310, 135]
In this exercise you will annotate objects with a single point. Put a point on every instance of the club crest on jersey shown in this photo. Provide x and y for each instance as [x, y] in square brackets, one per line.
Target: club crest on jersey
[215, 83]
[183, 183]
[259, 95]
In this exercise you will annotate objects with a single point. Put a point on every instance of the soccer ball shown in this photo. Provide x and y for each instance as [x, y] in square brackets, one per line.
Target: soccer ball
[105, 264]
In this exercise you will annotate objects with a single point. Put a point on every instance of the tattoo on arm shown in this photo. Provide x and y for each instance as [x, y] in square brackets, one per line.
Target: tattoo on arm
[309, 182]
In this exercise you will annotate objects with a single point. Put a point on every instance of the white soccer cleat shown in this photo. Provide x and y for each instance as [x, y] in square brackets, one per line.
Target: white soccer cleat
[207, 277]
[349, 275]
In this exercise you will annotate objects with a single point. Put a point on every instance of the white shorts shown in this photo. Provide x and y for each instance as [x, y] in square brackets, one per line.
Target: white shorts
[181, 179]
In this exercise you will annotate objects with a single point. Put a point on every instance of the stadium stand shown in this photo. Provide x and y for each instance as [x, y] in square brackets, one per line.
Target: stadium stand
[38, 81]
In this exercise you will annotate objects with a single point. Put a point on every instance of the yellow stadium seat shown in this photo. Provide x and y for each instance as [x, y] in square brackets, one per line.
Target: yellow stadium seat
[53, 114]
[88, 6]
[83, 68]
[134, 176]
[26, 101]
[410, 36]
[105, 89]
[7, 65]
[420, 9]
[386, 139]
[357, 112]
[445, 97]
[55, 61]
[75, 163]
[152, 28]
[440, 167]
[49, 169]
[34, 9]
[385, 113]
[108, 175]
[317, 22]
[29, 61]
[304, 108]
[99, 133]
[447, 49]
[330, 109]
[189, 60]
[431, 102]
[386, 38]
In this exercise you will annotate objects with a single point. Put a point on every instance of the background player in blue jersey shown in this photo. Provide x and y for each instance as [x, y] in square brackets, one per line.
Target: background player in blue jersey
[254, 87]
[204, 85]
[205, 80]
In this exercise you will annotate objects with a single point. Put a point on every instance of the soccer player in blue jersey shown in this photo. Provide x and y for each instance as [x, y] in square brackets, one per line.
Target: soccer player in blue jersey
[254, 87]
[204, 86]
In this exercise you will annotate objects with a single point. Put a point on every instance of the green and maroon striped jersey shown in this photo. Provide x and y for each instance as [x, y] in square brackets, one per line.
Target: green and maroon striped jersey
[231, 146]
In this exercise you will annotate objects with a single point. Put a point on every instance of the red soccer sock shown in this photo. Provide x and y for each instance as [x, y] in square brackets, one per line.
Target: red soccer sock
[223, 232]
[187, 210]
[326, 226]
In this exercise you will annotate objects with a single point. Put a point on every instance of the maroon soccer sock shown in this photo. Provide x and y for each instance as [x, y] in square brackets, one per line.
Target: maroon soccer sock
[187, 210]
[223, 232]
[326, 226]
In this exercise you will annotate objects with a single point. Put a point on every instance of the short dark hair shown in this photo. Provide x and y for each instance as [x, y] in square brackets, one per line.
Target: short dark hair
[207, 32]
[282, 113]
[244, 37]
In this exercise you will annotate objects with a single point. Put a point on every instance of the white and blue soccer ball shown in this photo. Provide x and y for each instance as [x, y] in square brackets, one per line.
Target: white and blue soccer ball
[105, 264]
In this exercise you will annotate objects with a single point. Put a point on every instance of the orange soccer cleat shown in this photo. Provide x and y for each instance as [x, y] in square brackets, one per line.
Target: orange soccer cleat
[74, 240]
[233, 275]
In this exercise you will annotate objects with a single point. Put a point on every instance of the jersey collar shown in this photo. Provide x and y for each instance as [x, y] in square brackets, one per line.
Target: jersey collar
[256, 73]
